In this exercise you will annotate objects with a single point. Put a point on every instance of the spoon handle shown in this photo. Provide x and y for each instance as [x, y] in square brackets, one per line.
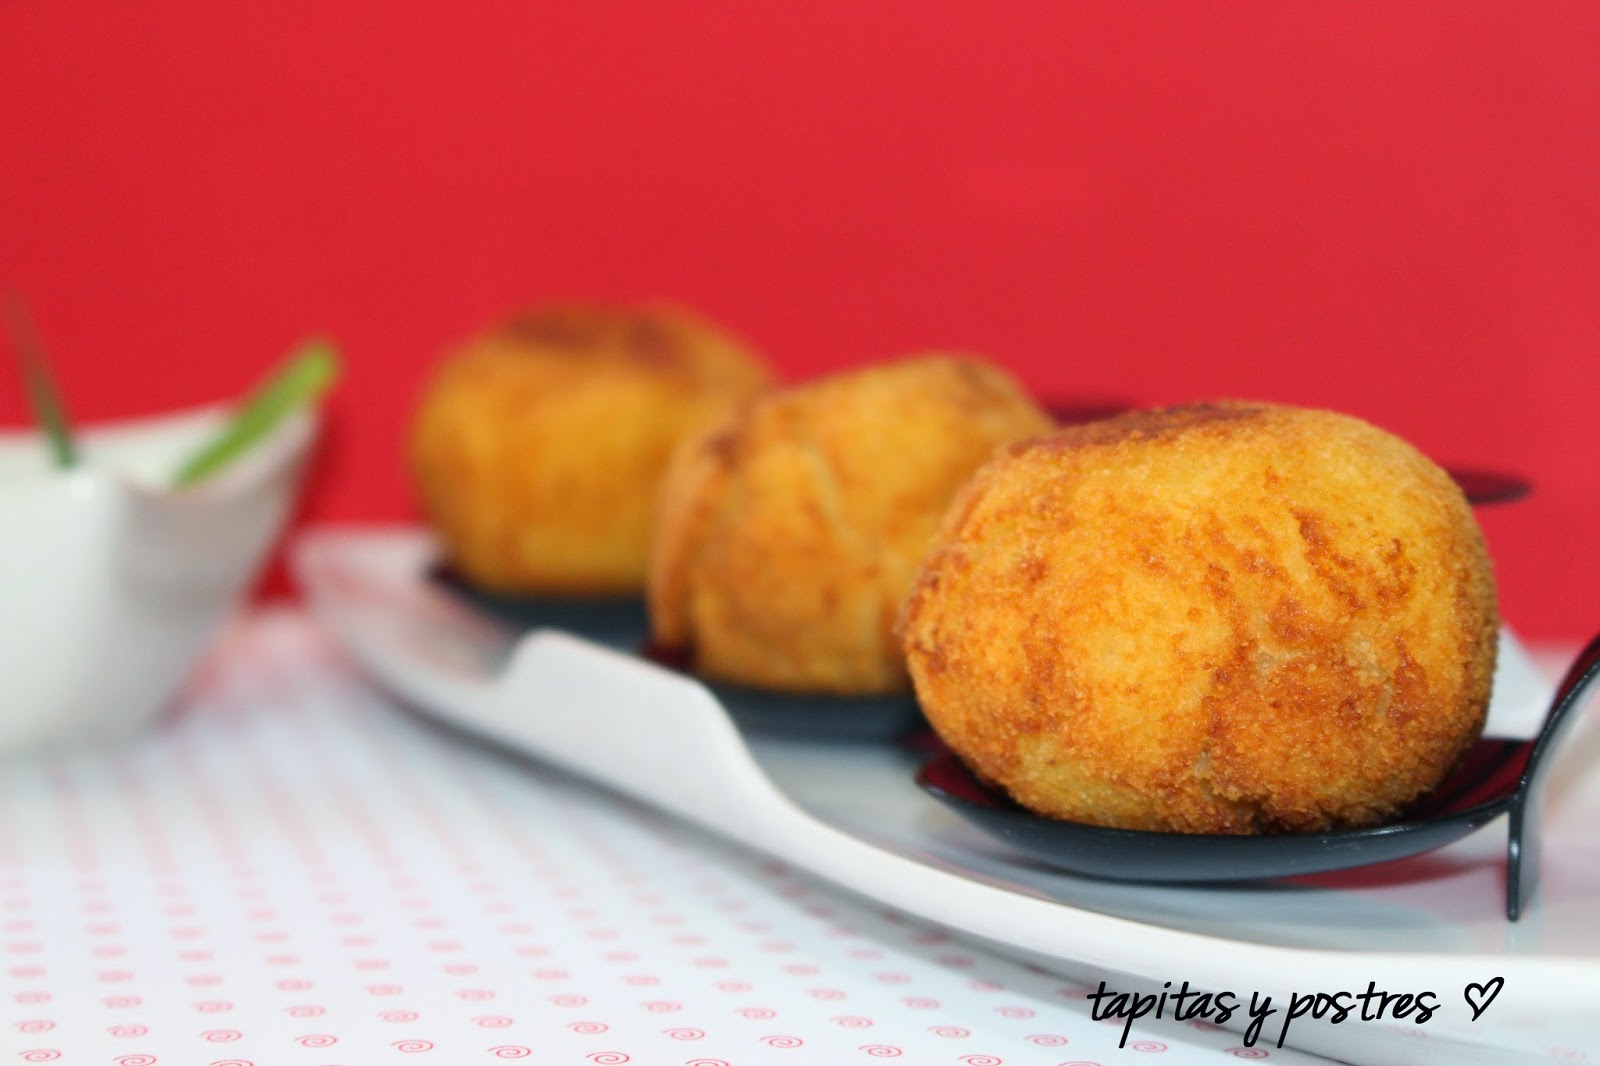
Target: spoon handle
[1522, 833]
[298, 382]
[43, 396]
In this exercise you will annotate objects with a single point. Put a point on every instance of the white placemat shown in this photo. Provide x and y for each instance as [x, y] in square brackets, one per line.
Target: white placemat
[293, 870]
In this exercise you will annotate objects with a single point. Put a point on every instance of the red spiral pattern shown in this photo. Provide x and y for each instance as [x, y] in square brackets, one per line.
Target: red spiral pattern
[1080, 1062]
[733, 986]
[890, 978]
[1247, 1053]
[233, 1062]
[213, 1006]
[40, 1054]
[951, 1032]
[757, 1013]
[382, 990]
[569, 1000]
[853, 1021]
[1148, 1045]
[607, 1058]
[663, 1006]
[825, 993]
[399, 1015]
[706, 1062]
[136, 1060]
[981, 1060]
[588, 1027]
[114, 1002]
[222, 1036]
[510, 1051]
[411, 1047]
[475, 995]
[36, 1025]
[1014, 1012]
[492, 1021]
[920, 1003]
[317, 1040]
[881, 1051]
[685, 1033]
[782, 1041]
[1048, 1039]
[304, 1010]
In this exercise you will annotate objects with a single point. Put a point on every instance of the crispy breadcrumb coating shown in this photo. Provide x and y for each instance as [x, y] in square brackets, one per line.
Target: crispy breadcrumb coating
[1229, 618]
[789, 534]
[539, 448]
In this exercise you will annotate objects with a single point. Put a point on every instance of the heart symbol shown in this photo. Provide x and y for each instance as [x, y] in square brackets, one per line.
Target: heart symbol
[1479, 997]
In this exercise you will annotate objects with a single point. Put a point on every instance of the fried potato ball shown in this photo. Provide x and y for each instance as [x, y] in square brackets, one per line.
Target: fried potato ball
[789, 534]
[539, 447]
[1231, 618]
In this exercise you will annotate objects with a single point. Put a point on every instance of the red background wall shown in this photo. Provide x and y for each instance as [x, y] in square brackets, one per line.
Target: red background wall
[1386, 209]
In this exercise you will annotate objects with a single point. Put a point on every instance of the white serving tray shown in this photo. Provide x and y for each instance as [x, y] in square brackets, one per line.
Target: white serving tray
[850, 814]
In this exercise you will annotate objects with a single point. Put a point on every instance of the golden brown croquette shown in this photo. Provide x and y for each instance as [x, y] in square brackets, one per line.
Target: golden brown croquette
[789, 533]
[1229, 618]
[539, 448]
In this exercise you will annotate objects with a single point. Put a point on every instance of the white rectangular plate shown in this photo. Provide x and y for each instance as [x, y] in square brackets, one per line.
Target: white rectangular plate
[851, 814]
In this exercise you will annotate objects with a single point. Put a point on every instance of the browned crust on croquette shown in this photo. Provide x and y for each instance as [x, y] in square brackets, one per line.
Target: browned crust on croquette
[539, 447]
[789, 534]
[1228, 618]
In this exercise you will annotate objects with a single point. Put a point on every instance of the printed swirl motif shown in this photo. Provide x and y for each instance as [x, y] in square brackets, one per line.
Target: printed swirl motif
[317, 1040]
[981, 1060]
[1048, 1039]
[233, 1062]
[213, 1006]
[304, 1010]
[510, 1051]
[492, 1021]
[411, 1047]
[685, 1034]
[588, 1027]
[920, 1003]
[222, 1036]
[399, 1016]
[36, 1025]
[1148, 1045]
[734, 986]
[114, 1002]
[706, 1062]
[136, 1060]
[881, 1051]
[663, 1006]
[782, 1041]
[41, 1054]
[757, 1013]
[475, 995]
[1014, 1012]
[825, 993]
[569, 1000]
[607, 1058]
[1247, 1053]
[951, 1032]
[852, 1021]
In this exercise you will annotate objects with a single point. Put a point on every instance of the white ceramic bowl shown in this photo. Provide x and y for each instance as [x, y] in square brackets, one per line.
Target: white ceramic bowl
[112, 583]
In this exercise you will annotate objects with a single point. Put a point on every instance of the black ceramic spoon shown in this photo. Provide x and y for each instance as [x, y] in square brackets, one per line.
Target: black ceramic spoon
[1496, 777]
